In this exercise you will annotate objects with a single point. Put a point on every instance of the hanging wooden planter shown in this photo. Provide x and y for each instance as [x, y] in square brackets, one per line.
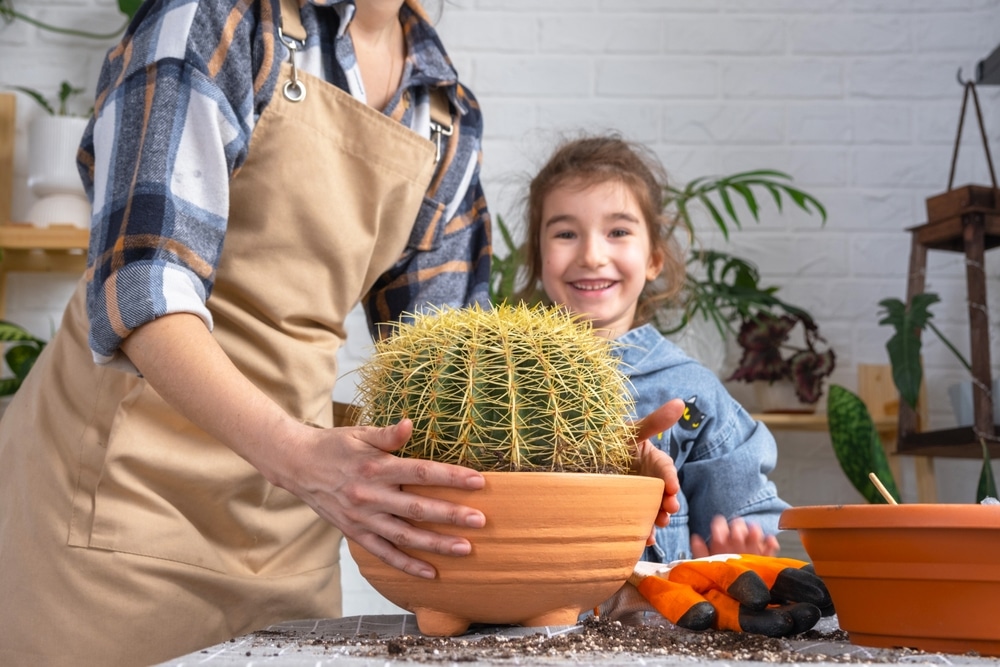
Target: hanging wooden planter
[965, 219]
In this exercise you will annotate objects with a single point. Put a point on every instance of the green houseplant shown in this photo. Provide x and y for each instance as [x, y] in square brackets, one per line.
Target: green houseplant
[852, 431]
[22, 351]
[532, 397]
[9, 13]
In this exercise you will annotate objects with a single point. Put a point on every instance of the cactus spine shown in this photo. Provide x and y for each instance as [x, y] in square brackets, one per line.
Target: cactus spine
[512, 388]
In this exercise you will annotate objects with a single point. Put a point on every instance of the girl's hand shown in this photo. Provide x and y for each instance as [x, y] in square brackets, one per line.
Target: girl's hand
[653, 462]
[735, 537]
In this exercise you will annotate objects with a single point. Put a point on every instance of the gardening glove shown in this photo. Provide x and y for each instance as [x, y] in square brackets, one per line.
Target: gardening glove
[777, 597]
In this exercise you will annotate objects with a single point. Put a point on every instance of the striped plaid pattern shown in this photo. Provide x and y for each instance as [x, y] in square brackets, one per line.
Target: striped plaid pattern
[176, 105]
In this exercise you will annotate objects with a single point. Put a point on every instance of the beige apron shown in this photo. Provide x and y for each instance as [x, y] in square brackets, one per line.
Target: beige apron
[127, 534]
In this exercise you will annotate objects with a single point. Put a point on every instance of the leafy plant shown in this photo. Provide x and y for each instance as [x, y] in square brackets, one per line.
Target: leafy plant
[511, 388]
[20, 356]
[857, 445]
[127, 7]
[736, 187]
[61, 108]
[904, 346]
[908, 321]
[768, 356]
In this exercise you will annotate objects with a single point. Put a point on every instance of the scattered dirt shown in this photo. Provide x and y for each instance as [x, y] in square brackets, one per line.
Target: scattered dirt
[596, 638]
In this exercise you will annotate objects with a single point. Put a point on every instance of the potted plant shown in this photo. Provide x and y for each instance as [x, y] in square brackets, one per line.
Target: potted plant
[532, 397]
[53, 141]
[771, 361]
[22, 351]
[855, 440]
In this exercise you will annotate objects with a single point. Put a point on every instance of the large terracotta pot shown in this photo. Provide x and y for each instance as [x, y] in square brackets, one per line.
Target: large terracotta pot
[554, 545]
[919, 576]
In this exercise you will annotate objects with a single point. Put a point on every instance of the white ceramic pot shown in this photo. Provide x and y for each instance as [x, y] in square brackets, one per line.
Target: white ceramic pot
[780, 396]
[53, 178]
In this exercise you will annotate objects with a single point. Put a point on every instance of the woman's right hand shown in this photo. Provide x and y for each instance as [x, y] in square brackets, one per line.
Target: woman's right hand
[350, 477]
[347, 475]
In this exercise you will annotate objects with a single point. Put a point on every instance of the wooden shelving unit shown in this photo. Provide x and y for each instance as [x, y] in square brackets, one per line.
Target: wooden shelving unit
[25, 247]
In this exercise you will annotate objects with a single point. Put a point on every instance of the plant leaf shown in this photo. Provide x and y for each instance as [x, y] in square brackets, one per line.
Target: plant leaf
[857, 445]
[987, 486]
[905, 345]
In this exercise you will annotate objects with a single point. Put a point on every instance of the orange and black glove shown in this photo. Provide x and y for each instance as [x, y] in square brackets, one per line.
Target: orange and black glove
[777, 597]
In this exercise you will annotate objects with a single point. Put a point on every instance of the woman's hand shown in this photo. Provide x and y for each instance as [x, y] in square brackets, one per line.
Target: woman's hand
[350, 478]
[346, 475]
[653, 462]
[735, 537]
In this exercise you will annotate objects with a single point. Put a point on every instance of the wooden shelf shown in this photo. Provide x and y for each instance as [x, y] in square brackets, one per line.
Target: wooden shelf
[24, 236]
[788, 421]
[953, 442]
[26, 247]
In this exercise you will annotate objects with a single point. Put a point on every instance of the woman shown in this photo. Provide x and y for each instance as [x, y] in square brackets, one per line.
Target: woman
[256, 169]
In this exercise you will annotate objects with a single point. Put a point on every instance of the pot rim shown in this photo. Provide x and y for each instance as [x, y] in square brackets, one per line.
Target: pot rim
[911, 515]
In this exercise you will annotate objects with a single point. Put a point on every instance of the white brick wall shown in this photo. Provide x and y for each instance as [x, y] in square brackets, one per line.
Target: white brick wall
[857, 99]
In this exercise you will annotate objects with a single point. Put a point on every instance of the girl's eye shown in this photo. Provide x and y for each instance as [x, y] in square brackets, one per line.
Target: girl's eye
[620, 232]
[565, 234]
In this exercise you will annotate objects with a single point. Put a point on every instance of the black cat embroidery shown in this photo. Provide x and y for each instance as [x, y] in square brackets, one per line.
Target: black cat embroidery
[692, 417]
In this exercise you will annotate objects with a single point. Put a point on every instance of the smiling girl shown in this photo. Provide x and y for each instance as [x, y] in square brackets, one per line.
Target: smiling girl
[600, 245]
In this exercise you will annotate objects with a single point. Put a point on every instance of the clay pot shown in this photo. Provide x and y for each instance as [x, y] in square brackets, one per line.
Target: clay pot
[918, 576]
[554, 545]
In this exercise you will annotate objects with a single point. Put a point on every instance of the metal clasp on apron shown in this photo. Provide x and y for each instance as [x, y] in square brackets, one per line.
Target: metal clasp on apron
[294, 90]
[437, 131]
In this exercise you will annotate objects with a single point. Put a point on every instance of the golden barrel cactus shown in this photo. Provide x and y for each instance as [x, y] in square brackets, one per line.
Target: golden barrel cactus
[514, 388]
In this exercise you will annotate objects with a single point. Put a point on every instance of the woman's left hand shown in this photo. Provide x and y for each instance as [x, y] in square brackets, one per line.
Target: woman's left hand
[653, 462]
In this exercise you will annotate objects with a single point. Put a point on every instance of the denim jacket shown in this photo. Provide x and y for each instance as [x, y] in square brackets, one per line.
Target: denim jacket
[722, 455]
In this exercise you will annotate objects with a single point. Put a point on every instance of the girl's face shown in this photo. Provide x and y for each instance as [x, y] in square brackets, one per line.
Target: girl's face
[596, 253]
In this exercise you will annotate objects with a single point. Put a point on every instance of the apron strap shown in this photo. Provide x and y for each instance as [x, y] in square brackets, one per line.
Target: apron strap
[290, 20]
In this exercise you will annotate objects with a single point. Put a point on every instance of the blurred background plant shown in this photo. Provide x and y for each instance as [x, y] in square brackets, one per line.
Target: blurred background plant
[8, 13]
[23, 349]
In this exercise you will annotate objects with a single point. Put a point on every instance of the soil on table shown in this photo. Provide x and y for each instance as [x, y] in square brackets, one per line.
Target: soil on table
[595, 638]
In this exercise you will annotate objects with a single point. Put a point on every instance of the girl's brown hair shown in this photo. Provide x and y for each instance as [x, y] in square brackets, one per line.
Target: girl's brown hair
[593, 160]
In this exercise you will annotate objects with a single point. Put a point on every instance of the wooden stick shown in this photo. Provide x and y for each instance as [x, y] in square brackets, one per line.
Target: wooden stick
[881, 489]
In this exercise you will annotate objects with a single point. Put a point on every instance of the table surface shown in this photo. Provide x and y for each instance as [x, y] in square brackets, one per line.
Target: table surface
[295, 643]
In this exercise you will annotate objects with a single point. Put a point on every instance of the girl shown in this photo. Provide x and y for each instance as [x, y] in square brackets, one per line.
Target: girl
[600, 245]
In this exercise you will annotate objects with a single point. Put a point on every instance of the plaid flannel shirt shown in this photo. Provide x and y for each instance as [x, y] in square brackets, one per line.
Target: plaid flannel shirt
[176, 105]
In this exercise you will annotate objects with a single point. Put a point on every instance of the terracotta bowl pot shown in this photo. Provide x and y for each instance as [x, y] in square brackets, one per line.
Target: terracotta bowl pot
[554, 545]
[919, 576]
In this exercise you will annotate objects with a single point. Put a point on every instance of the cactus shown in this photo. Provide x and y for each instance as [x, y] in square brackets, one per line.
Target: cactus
[515, 388]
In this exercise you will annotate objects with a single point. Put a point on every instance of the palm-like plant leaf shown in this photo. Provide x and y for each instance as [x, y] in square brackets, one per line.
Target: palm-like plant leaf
[739, 186]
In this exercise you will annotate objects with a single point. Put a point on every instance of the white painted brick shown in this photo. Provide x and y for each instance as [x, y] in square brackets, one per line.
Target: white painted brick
[528, 6]
[869, 210]
[637, 121]
[819, 124]
[600, 34]
[881, 124]
[724, 36]
[533, 76]
[724, 123]
[912, 6]
[487, 31]
[656, 77]
[784, 79]
[667, 7]
[816, 167]
[784, 6]
[890, 166]
[913, 78]
[505, 118]
[858, 34]
[936, 34]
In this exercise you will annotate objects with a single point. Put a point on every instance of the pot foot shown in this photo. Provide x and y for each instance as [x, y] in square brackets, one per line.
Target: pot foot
[565, 616]
[436, 623]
